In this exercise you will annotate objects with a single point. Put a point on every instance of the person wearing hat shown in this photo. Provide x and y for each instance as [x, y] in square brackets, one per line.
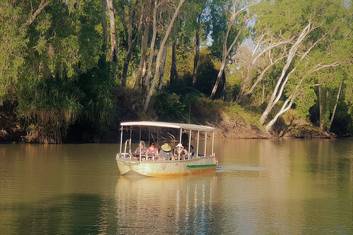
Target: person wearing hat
[166, 151]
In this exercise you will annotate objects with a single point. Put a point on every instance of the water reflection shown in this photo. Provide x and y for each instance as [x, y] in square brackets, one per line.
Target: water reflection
[182, 205]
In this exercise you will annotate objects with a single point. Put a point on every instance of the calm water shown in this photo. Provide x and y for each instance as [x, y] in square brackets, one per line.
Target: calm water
[265, 187]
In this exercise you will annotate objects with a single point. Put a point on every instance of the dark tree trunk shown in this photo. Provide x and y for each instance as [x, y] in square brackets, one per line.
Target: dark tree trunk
[196, 51]
[105, 28]
[112, 55]
[173, 67]
[126, 67]
[335, 106]
[142, 65]
[156, 76]
[161, 71]
[322, 105]
[129, 51]
[152, 47]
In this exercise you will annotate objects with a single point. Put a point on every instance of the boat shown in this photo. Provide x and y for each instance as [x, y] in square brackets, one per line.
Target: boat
[171, 151]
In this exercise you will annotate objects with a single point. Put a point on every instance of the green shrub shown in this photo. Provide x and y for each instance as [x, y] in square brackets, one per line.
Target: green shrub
[169, 107]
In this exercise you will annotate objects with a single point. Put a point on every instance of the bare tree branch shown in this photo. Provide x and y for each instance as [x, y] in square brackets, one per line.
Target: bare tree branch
[42, 5]
[319, 67]
[262, 74]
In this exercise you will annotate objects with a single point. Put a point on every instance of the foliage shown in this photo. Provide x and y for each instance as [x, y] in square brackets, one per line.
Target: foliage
[12, 47]
[169, 107]
[56, 70]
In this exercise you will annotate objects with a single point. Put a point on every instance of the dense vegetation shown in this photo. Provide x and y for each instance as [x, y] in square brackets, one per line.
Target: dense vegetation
[70, 70]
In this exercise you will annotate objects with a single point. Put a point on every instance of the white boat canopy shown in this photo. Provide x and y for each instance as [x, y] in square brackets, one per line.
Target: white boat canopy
[184, 126]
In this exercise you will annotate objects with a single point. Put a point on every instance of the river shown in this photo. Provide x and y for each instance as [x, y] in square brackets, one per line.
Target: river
[263, 187]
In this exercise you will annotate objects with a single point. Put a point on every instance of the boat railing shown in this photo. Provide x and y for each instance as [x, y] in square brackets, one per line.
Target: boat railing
[127, 154]
[189, 135]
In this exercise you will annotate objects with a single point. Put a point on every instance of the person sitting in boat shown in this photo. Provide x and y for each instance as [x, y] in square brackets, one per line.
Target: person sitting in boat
[179, 152]
[152, 150]
[166, 151]
[141, 148]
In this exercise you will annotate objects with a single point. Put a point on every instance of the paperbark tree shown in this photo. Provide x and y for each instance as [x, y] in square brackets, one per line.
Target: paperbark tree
[159, 57]
[113, 50]
[284, 76]
[291, 98]
[152, 46]
[132, 25]
[248, 80]
[228, 48]
[141, 71]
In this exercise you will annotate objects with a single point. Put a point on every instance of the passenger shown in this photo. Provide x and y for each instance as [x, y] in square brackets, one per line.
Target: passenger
[180, 152]
[141, 147]
[166, 151]
[152, 150]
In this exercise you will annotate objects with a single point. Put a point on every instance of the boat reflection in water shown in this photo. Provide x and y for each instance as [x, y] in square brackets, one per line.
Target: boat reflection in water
[181, 205]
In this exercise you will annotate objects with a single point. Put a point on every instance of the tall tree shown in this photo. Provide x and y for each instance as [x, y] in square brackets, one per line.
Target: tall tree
[312, 35]
[159, 56]
[235, 25]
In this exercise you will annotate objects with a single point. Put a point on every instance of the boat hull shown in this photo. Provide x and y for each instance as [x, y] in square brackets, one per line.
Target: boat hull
[167, 167]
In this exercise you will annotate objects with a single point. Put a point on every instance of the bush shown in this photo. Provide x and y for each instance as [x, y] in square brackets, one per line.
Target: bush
[169, 107]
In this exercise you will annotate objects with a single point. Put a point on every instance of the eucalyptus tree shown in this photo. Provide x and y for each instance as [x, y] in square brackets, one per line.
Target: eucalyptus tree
[156, 76]
[235, 26]
[186, 38]
[197, 23]
[130, 21]
[265, 55]
[313, 28]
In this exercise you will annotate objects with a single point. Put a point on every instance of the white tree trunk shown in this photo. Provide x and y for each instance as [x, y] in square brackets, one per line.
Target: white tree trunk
[282, 80]
[335, 107]
[262, 75]
[226, 52]
[286, 106]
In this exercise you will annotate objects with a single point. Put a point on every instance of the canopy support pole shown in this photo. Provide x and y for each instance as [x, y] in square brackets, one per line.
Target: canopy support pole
[180, 136]
[121, 139]
[212, 143]
[140, 155]
[189, 153]
[197, 144]
[130, 153]
[205, 152]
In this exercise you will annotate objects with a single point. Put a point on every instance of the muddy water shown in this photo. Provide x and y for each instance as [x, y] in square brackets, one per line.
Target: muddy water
[263, 187]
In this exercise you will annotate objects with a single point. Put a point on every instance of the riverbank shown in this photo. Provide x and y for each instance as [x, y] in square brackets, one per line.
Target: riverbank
[231, 120]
